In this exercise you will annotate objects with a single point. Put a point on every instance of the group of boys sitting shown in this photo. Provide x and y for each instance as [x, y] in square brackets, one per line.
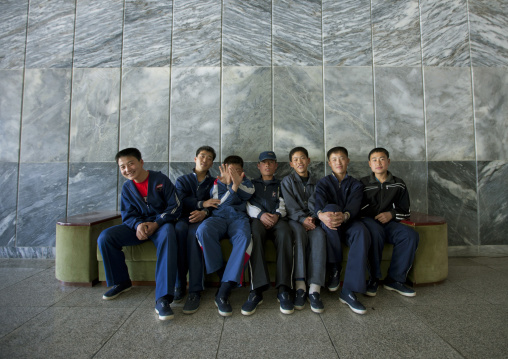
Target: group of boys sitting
[307, 219]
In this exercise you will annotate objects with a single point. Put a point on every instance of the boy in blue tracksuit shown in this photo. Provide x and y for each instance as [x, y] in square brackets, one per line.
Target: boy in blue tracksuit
[338, 202]
[193, 189]
[150, 208]
[233, 190]
[386, 203]
[267, 211]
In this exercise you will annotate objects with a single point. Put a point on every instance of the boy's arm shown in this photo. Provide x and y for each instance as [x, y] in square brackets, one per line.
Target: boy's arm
[253, 210]
[173, 207]
[320, 197]
[281, 208]
[189, 201]
[130, 213]
[294, 210]
[354, 200]
[401, 209]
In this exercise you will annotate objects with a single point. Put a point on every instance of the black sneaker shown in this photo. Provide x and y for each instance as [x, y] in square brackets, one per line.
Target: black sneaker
[224, 307]
[192, 304]
[372, 286]
[163, 308]
[316, 305]
[300, 297]
[179, 294]
[250, 305]
[400, 288]
[334, 281]
[348, 297]
[117, 290]
[286, 305]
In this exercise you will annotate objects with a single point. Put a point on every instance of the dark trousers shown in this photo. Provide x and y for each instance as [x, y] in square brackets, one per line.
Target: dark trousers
[190, 257]
[405, 242]
[281, 236]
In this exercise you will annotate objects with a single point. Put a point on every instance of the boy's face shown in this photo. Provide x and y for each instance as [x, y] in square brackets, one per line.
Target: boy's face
[338, 162]
[204, 161]
[300, 163]
[131, 168]
[379, 163]
[236, 167]
[267, 167]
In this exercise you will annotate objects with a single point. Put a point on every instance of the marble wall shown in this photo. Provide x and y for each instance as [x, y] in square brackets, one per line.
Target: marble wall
[81, 79]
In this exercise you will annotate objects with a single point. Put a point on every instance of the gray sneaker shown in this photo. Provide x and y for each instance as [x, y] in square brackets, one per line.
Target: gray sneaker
[192, 304]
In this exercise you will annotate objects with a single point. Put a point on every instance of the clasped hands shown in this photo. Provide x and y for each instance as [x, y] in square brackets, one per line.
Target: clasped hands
[332, 219]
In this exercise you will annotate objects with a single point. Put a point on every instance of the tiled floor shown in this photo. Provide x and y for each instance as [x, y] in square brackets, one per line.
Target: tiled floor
[467, 316]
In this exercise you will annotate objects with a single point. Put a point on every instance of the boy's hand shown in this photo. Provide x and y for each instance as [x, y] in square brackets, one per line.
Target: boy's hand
[212, 202]
[224, 176]
[146, 229]
[384, 217]
[308, 224]
[235, 177]
[331, 219]
[197, 216]
[269, 220]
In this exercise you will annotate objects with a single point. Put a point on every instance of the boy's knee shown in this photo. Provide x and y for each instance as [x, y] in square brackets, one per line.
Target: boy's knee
[332, 208]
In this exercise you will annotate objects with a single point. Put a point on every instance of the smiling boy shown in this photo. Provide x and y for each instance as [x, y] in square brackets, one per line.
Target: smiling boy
[338, 202]
[386, 203]
[267, 211]
[310, 240]
[150, 208]
[194, 192]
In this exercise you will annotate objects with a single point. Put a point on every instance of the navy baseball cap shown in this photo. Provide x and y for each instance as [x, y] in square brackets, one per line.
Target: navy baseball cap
[267, 155]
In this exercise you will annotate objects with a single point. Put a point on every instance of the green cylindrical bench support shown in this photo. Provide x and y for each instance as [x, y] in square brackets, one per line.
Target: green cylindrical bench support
[76, 246]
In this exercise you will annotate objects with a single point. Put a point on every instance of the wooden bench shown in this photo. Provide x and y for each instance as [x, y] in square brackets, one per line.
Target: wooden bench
[78, 261]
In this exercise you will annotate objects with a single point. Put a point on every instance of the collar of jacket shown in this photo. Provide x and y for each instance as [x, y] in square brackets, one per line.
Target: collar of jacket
[389, 178]
[311, 180]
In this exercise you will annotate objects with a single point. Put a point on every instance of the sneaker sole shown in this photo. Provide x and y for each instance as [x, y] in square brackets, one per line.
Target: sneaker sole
[224, 314]
[116, 295]
[299, 307]
[370, 294]
[285, 311]
[398, 291]
[357, 311]
[244, 312]
[192, 311]
[334, 289]
[317, 310]
[165, 317]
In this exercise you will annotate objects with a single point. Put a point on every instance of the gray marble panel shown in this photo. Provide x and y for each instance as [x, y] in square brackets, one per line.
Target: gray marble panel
[296, 37]
[144, 121]
[491, 113]
[94, 116]
[489, 38]
[197, 33]
[45, 123]
[246, 111]
[147, 33]
[452, 195]
[399, 112]
[247, 33]
[10, 114]
[298, 110]
[347, 33]
[349, 110]
[449, 109]
[41, 202]
[493, 207]
[92, 187]
[195, 110]
[445, 33]
[396, 33]
[98, 34]
[13, 23]
[50, 37]
[28, 252]
[9, 185]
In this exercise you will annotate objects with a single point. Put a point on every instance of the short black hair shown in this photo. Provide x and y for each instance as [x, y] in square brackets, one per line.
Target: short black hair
[233, 160]
[379, 149]
[297, 149]
[131, 151]
[335, 150]
[207, 149]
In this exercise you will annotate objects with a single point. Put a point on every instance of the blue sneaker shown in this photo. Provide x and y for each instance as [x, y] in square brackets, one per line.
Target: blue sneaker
[316, 305]
[192, 303]
[163, 308]
[372, 286]
[286, 305]
[254, 299]
[348, 297]
[300, 298]
[223, 306]
[117, 290]
[334, 280]
[400, 288]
